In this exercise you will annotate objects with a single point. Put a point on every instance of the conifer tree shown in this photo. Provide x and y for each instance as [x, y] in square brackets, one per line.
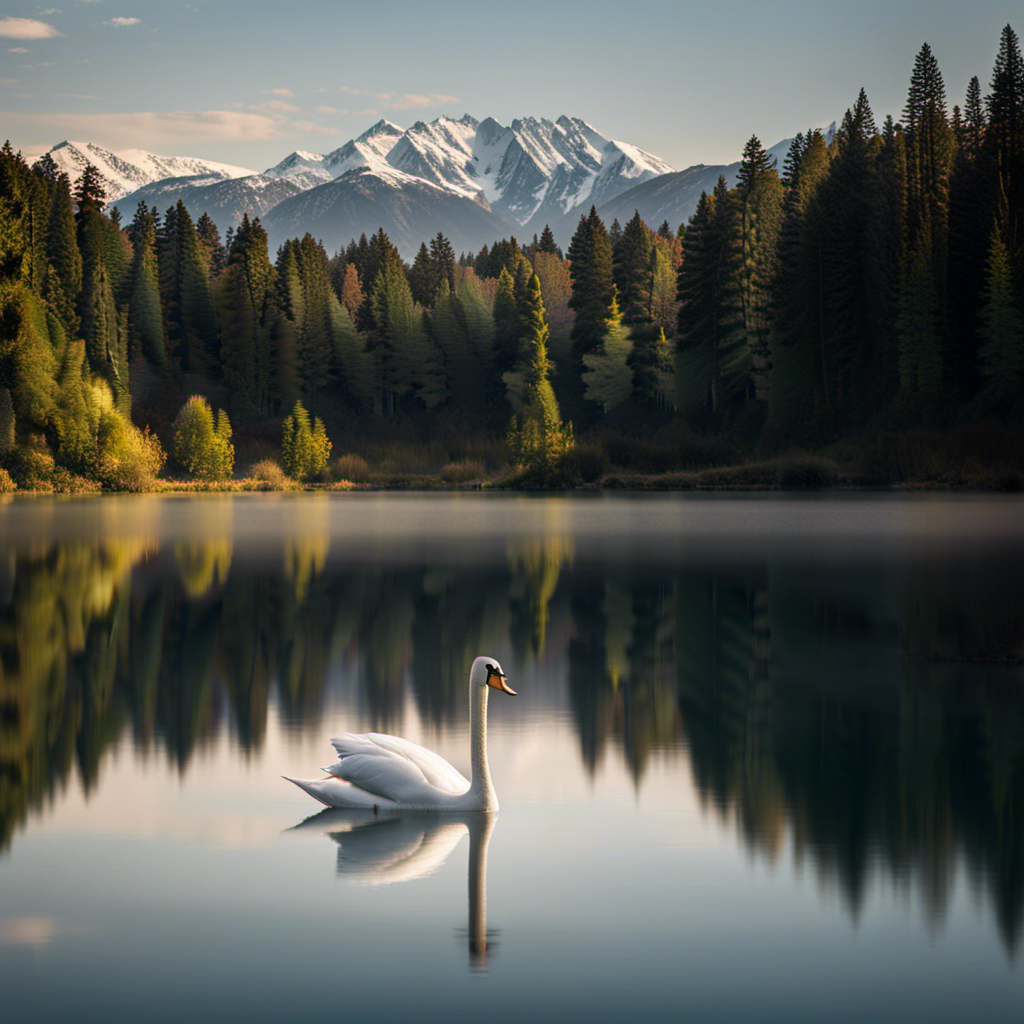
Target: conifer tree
[547, 242]
[507, 325]
[145, 319]
[1000, 330]
[422, 280]
[609, 376]
[593, 284]
[632, 271]
[538, 439]
[62, 254]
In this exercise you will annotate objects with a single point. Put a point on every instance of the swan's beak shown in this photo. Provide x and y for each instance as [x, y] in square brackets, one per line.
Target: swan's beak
[498, 682]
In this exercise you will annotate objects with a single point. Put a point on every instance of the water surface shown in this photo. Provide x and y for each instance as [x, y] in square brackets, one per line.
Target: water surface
[767, 761]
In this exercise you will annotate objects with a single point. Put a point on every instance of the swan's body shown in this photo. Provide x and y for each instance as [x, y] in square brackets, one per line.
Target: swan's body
[378, 771]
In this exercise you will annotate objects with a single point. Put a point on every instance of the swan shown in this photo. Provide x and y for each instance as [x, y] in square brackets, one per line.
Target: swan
[380, 772]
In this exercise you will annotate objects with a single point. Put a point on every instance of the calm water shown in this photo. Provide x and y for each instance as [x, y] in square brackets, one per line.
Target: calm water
[767, 761]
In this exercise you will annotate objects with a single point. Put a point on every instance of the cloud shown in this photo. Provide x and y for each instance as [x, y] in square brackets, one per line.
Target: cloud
[151, 129]
[412, 101]
[26, 28]
[8, 81]
[287, 93]
[401, 101]
[122, 22]
[278, 105]
[313, 127]
[17, 49]
[327, 110]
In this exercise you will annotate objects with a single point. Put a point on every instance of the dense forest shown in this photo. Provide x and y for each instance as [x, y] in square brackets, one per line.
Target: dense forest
[866, 301]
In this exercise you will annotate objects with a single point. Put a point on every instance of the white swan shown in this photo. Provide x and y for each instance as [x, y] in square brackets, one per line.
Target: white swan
[377, 771]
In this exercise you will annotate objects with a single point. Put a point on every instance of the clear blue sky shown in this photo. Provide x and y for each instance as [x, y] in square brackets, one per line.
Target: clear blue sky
[248, 82]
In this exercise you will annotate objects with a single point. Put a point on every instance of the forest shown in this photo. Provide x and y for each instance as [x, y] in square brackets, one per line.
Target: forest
[856, 316]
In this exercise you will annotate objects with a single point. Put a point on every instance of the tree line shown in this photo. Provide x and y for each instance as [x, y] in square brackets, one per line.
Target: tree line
[877, 281]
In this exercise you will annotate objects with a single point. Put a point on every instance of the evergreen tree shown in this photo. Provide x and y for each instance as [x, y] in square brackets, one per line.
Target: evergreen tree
[547, 242]
[63, 256]
[1000, 331]
[423, 282]
[537, 438]
[632, 271]
[442, 262]
[593, 284]
[507, 325]
[214, 253]
[609, 377]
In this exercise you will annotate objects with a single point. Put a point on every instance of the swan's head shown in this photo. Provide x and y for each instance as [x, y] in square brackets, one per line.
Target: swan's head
[487, 672]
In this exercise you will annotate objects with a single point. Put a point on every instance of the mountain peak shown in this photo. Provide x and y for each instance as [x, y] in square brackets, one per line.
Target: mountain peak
[382, 127]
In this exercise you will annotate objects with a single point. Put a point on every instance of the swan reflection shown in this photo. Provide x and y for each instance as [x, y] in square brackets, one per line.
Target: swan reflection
[390, 846]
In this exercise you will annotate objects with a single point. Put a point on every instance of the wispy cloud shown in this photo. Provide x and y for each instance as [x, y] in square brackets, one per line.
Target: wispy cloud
[50, 11]
[26, 28]
[413, 101]
[17, 49]
[327, 110]
[401, 101]
[151, 129]
[8, 81]
[287, 93]
[123, 22]
[276, 105]
[313, 128]
[75, 96]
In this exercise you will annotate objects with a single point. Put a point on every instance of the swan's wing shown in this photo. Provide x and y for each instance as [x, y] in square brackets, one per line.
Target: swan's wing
[440, 772]
[436, 770]
[387, 775]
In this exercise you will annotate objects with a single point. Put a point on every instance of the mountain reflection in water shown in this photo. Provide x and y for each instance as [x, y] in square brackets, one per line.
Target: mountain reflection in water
[873, 713]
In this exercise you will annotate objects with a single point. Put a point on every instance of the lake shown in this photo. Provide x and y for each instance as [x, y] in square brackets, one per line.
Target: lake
[766, 762]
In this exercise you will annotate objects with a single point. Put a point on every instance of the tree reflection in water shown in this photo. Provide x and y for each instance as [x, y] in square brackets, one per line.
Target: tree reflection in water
[873, 719]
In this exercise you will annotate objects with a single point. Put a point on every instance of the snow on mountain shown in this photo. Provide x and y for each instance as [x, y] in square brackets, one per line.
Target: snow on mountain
[302, 166]
[129, 169]
[410, 209]
[224, 199]
[533, 169]
[367, 150]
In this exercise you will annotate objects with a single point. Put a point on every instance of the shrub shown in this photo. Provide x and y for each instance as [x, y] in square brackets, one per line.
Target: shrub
[805, 472]
[7, 485]
[350, 467]
[199, 446]
[463, 472]
[268, 472]
[304, 451]
[131, 459]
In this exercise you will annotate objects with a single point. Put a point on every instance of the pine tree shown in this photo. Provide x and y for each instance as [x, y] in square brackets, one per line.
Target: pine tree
[62, 254]
[1000, 330]
[423, 282]
[145, 319]
[547, 242]
[507, 325]
[609, 376]
[593, 284]
[632, 271]
[537, 438]
[442, 261]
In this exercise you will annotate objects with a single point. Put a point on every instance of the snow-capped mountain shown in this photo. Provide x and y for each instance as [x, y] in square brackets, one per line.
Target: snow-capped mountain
[224, 199]
[301, 166]
[129, 169]
[367, 150]
[530, 171]
[671, 197]
[410, 209]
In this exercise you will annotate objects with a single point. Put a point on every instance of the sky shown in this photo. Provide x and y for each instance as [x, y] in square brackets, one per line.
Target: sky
[248, 82]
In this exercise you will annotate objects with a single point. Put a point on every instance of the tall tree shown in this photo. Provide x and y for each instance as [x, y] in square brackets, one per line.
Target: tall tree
[593, 283]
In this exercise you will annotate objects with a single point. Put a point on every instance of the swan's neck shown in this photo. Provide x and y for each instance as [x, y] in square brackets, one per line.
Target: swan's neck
[480, 782]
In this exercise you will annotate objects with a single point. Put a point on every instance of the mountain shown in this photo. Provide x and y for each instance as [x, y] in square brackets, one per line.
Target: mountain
[410, 209]
[129, 169]
[672, 197]
[224, 199]
[301, 166]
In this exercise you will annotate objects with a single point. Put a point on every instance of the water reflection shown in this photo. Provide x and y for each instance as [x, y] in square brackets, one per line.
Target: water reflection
[384, 848]
[868, 713]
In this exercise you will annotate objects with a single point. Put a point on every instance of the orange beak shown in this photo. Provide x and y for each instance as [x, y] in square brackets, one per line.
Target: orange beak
[498, 682]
